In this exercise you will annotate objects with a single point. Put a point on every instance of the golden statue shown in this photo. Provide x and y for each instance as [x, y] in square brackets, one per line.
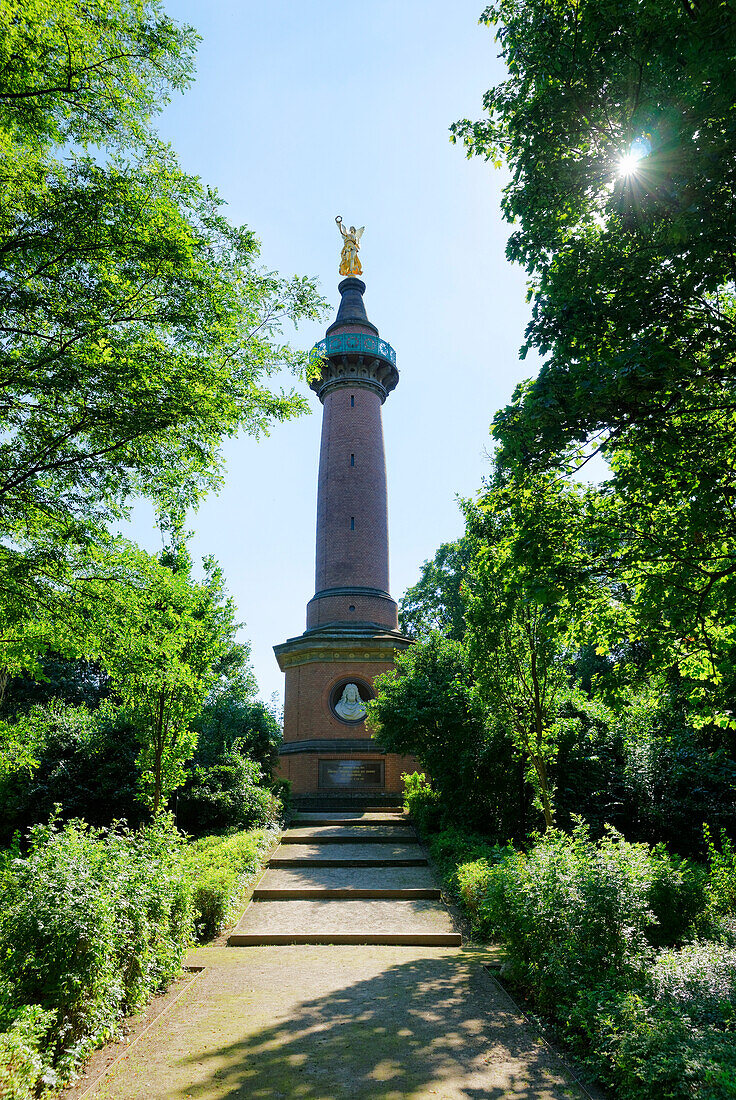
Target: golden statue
[349, 262]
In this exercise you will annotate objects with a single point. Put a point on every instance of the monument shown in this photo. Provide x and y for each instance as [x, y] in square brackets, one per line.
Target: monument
[352, 622]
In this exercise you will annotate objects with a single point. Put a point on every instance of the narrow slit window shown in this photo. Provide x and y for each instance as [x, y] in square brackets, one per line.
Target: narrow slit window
[352, 460]
[352, 523]
[352, 400]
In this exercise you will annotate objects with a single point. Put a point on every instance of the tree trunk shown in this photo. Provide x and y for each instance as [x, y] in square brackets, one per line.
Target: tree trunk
[158, 755]
[541, 769]
[523, 796]
[539, 764]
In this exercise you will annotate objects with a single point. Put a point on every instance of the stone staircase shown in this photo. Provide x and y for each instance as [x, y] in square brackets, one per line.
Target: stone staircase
[354, 876]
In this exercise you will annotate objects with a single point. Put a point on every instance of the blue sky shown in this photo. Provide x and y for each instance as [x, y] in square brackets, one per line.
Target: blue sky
[303, 111]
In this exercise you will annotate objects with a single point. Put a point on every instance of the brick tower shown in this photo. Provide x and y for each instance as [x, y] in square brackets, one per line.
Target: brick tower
[352, 622]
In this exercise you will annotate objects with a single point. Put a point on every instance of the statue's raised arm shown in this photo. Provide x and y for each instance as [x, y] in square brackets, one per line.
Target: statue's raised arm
[349, 262]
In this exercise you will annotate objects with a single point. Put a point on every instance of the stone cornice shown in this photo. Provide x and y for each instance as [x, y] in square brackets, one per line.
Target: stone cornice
[352, 590]
[367, 642]
[354, 745]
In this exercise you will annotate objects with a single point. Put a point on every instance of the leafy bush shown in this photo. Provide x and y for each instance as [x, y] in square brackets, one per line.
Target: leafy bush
[676, 1037]
[229, 721]
[462, 858]
[428, 706]
[422, 802]
[455, 852]
[676, 898]
[227, 794]
[720, 888]
[22, 1063]
[676, 777]
[86, 761]
[92, 922]
[473, 882]
[698, 980]
[220, 870]
[581, 921]
[576, 914]
[464, 861]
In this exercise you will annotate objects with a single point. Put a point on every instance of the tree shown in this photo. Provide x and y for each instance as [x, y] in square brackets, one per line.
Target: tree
[137, 328]
[227, 721]
[27, 713]
[71, 72]
[137, 333]
[428, 705]
[84, 763]
[617, 123]
[161, 635]
[435, 602]
[623, 164]
[78, 682]
[522, 673]
[532, 589]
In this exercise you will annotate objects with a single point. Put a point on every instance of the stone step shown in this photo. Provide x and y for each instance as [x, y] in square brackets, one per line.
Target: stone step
[343, 832]
[403, 883]
[385, 939]
[355, 804]
[316, 838]
[389, 820]
[346, 921]
[308, 875]
[266, 893]
[350, 852]
[352, 861]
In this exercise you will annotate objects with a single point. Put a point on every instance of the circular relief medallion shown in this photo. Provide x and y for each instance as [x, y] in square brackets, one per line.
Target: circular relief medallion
[348, 699]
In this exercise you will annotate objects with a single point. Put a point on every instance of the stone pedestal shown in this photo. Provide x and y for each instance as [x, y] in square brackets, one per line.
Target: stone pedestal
[323, 753]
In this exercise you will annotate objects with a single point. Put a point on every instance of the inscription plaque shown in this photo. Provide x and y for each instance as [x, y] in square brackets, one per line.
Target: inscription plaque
[350, 774]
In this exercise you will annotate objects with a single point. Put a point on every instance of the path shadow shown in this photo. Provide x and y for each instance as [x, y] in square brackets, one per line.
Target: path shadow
[429, 1026]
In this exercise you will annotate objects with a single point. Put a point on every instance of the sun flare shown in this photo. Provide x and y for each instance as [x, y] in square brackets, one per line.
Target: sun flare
[628, 164]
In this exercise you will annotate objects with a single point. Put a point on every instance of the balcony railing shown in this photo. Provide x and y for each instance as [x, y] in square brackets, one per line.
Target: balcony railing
[352, 343]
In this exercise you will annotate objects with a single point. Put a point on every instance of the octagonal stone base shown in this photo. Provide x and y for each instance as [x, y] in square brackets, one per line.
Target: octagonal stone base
[322, 754]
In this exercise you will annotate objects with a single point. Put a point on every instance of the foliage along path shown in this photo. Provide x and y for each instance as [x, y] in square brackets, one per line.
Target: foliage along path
[318, 1020]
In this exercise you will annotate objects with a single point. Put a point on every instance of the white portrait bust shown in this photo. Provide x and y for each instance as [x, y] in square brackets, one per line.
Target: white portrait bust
[350, 705]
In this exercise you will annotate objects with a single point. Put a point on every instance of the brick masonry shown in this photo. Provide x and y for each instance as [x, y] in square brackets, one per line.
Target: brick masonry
[308, 717]
[351, 607]
[352, 553]
[307, 714]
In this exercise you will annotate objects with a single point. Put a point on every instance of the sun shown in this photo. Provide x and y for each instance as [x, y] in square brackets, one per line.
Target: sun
[628, 164]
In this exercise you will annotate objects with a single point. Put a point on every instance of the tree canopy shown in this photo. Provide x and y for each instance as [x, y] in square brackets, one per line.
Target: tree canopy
[435, 602]
[138, 329]
[616, 121]
[617, 124]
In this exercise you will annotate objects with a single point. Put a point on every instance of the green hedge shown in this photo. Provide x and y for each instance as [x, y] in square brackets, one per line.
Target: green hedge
[221, 868]
[631, 950]
[92, 923]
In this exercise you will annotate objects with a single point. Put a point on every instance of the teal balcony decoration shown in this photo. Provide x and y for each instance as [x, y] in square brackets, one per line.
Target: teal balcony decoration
[352, 343]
